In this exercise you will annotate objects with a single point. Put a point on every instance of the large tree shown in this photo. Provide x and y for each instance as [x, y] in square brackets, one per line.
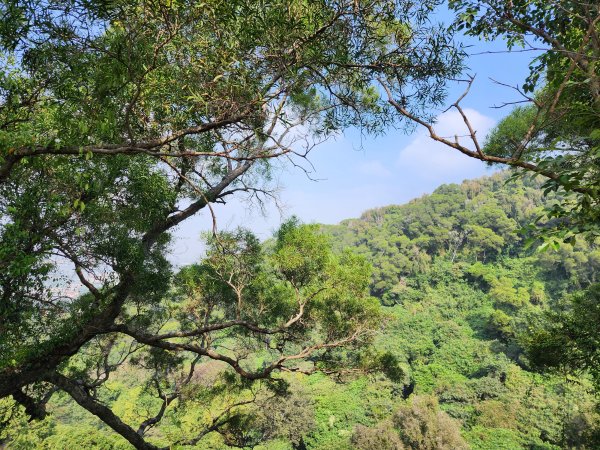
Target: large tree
[119, 120]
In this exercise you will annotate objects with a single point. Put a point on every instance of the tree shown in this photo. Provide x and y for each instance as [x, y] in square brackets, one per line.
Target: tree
[555, 134]
[381, 437]
[417, 425]
[568, 340]
[121, 120]
[423, 426]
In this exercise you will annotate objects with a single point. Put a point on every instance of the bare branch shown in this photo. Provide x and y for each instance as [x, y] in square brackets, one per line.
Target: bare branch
[513, 161]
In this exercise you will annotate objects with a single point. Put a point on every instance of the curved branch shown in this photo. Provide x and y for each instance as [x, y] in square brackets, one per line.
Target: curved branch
[148, 147]
[104, 413]
[514, 161]
[265, 372]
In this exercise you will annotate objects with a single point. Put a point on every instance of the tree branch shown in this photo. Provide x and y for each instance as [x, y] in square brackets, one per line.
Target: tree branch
[514, 161]
[104, 413]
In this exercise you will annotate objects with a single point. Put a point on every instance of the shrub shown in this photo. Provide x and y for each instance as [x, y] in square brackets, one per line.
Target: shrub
[424, 427]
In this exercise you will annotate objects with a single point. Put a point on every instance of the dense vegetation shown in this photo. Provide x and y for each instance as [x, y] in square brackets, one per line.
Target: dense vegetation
[463, 297]
[120, 120]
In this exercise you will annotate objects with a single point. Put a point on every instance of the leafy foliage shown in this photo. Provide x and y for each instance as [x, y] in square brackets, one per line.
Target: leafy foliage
[568, 339]
[120, 120]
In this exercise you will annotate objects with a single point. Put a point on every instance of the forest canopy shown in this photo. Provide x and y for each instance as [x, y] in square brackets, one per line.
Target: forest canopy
[122, 120]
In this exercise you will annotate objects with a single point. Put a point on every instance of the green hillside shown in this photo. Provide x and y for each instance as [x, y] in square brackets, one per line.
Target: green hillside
[461, 294]
[463, 291]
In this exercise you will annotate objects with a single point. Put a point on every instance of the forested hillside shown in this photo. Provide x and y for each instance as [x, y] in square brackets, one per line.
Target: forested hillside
[466, 292]
[449, 368]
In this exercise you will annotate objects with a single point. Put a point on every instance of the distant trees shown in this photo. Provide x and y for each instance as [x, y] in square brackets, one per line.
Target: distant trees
[423, 426]
[418, 425]
[381, 437]
[473, 222]
[487, 261]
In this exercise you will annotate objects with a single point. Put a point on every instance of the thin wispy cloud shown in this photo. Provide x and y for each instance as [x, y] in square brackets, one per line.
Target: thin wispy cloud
[374, 169]
[433, 160]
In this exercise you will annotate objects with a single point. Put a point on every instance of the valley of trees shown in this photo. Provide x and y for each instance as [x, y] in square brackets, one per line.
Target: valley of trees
[464, 319]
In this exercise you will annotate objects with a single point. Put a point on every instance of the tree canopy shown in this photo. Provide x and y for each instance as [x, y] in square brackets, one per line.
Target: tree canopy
[120, 120]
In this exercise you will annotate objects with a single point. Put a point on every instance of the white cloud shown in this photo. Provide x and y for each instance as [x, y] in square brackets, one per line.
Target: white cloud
[433, 160]
[374, 168]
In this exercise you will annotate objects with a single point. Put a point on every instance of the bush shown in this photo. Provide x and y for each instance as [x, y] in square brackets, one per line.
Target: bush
[424, 427]
[381, 437]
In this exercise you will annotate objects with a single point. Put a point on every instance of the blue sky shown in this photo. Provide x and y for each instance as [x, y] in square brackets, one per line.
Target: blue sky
[358, 173]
